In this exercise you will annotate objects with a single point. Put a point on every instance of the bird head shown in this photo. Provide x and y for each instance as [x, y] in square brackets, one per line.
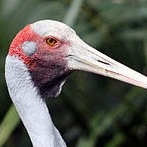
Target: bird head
[51, 50]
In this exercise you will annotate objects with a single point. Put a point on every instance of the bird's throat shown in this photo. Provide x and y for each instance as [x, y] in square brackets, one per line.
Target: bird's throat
[49, 76]
[53, 87]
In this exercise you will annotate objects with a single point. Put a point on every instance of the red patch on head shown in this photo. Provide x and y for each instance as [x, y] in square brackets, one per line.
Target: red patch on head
[25, 34]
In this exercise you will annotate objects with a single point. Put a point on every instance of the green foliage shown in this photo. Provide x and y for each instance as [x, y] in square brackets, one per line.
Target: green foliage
[7, 126]
[92, 110]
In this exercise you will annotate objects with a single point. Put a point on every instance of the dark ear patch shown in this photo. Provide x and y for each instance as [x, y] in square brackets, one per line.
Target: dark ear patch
[29, 47]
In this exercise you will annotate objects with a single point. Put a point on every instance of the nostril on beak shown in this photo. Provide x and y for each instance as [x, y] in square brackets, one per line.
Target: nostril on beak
[103, 62]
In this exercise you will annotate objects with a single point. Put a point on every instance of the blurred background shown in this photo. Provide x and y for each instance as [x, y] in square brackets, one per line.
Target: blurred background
[92, 110]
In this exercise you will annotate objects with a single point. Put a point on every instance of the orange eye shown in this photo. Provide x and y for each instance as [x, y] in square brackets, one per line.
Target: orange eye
[51, 41]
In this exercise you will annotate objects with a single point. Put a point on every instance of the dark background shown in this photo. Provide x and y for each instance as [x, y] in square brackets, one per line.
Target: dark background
[92, 110]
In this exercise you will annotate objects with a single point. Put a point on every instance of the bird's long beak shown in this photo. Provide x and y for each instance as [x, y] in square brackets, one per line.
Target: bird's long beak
[83, 57]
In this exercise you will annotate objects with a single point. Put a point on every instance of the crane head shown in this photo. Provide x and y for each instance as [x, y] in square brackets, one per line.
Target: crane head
[51, 50]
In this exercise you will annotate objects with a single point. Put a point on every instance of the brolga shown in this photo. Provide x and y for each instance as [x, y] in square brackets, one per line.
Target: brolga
[40, 58]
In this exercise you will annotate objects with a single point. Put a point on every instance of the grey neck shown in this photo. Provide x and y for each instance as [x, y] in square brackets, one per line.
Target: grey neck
[31, 107]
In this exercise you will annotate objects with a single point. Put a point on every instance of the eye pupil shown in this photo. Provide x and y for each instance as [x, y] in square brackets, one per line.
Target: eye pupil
[51, 41]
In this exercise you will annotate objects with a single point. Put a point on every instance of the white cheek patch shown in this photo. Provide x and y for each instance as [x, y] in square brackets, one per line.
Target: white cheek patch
[29, 47]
